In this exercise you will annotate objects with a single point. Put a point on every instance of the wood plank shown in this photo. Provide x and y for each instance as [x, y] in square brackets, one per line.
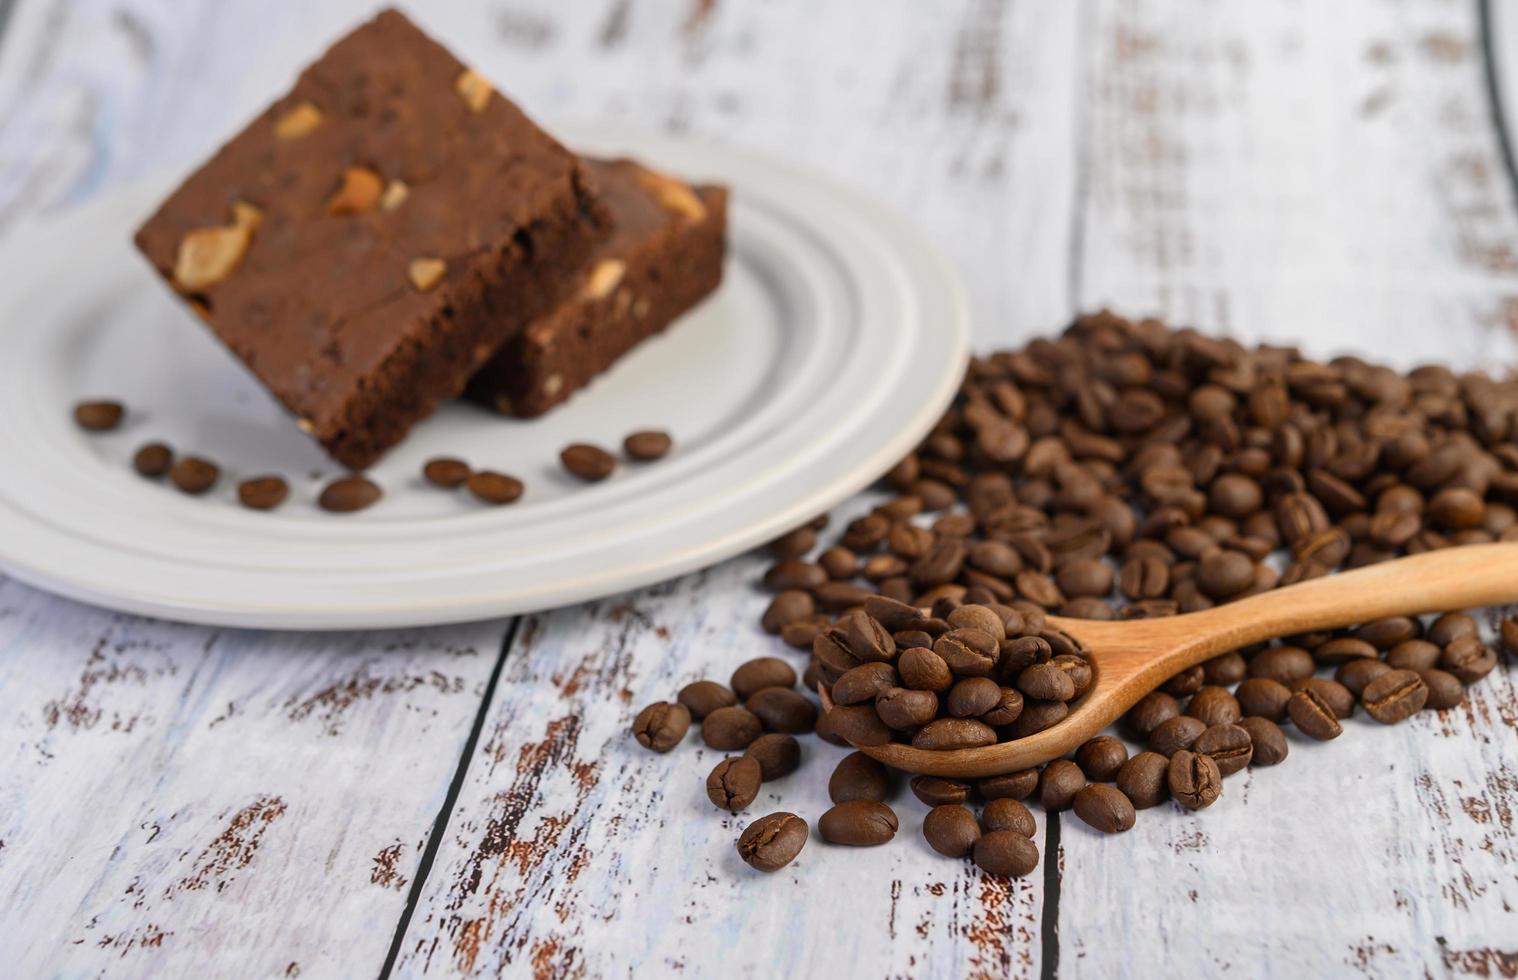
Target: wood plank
[1321, 174]
[573, 851]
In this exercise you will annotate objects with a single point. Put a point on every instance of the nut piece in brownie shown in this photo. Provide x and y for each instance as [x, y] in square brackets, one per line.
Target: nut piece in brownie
[368, 242]
[664, 255]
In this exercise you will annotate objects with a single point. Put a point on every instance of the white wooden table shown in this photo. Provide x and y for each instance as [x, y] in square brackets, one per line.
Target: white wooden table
[187, 802]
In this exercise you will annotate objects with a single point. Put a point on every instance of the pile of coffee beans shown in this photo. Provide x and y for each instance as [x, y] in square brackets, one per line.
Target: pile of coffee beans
[1126, 470]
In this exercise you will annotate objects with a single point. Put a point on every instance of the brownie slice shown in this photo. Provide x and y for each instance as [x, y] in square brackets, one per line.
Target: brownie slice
[368, 242]
[664, 256]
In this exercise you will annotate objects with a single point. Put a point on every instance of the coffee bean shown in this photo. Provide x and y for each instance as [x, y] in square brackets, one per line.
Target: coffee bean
[773, 841]
[491, 487]
[794, 543]
[858, 724]
[1037, 716]
[1194, 780]
[906, 710]
[1175, 734]
[153, 460]
[1100, 758]
[1153, 708]
[1007, 709]
[1046, 682]
[793, 573]
[973, 697]
[951, 830]
[1227, 745]
[1395, 696]
[730, 729]
[1383, 634]
[858, 777]
[1058, 784]
[1104, 808]
[1006, 852]
[1356, 674]
[1010, 786]
[790, 606]
[1468, 658]
[1344, 648]
[804, 632]
[1008, 814]
[193, 475]
[1222, 574]
[701, 698]
[858, 823]
[101, 416]
[661, 726]
[348, 495]
[1226, 669]
[1444, 689]
[1267, 739]
[777, 753]
[924, 670]
[1144, 578]
[1261, 697]
[1338, 697]
[783, 709]
[1451, 627]
[589, 463]
[938, 790]
[647, 444]
[759, 673]
[1214, 706]
[1188, 681]
[864, 683]
[838, 596]
[866, 638]
[1017, 655]
[954, 733]
[263, 493]
[1413, 655]
[1283, 664]
[446, 472]
[1313, 716]
[840, 563]
[734, 783]
[1144, 779]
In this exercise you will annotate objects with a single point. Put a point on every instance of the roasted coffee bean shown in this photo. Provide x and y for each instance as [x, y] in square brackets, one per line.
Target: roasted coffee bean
[773, 841]
[1344, 648]
[1010, 786]
[793, 573]
[1008, 814]
[661, 726]
[906, 710]
[1383, 634]
[1101, 757]
[972, 697]
[858, 823]
[864, 683]
[1144, 779]
[1214, 706]
[790, 606]
[1468, 658]
[1145, 577]
[701, 698]
[263, 493]
[982, 618]
[804, 632]
[893, 615]
[969, 653]
[446, 472]
[1267, 740]
[193, 475]
[1153, 708]
[1413, 655]
[840, 563]
[857, 724]
[1355, 674]
[908, 639]
[1104, 808]
[1016, 655]
[1338, 697]
[1188, 681]
[867, 639]
[589, 463]
[1174, 734]
[1046, 682]
[1284, 664]
[1313, 716]
[831, 650]
[153, 460]
[734, 783]
[937, 790]
[953, 733]
[951, 830]
[1261, 697]
[783, 709]
[497, 489]
[759, 673]
[1007, 853]
[1078, 669]
[348, 495]
[100, 416]
[1444, 689]
[1222, 574]
[1007, 709]
[858, 777]
[1395, 696]
[730, 729]
[1037, 716]
[995, 558]
[1194, 780]
[838, 596]
[1058, 784]
[1085, 577]
[1227, 745]
[1451, 627]
[924, 670]
[1226, 669]
[647, 444]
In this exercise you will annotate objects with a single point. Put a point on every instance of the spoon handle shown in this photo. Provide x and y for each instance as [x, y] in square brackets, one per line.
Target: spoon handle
[1437, 581]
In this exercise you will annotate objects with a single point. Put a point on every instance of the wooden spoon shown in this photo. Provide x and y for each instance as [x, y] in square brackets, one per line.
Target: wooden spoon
[1133, 657]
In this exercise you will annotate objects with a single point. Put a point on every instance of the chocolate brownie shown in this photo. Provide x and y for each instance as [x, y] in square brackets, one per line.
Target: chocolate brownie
[664, 255]
[368, 242]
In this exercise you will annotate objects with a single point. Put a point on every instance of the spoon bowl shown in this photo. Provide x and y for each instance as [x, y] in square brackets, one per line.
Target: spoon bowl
[1133, 657]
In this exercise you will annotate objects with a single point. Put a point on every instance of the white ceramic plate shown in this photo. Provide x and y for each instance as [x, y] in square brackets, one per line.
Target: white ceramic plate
[836, 340]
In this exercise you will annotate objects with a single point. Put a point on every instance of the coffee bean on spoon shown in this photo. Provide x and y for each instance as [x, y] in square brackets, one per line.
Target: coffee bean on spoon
[153, 460]
[98, 416]
[647, 445]
[494, 488]
[589, 463]
[194, 475]
[446, 472]
[773, 841]
[349, 494]
[263, 492]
